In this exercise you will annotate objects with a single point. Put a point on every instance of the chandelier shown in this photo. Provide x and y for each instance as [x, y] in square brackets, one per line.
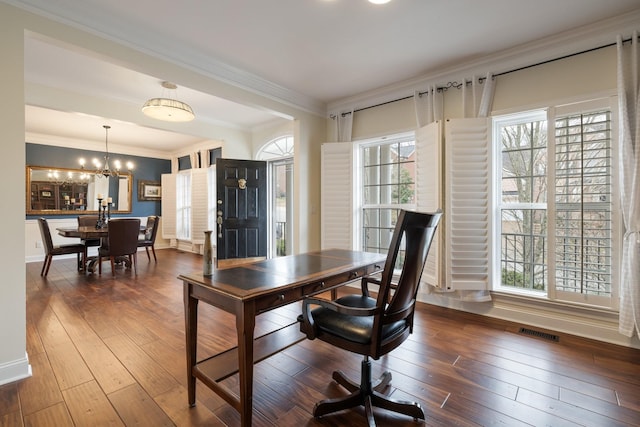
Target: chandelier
[168, 109]
[104, 170]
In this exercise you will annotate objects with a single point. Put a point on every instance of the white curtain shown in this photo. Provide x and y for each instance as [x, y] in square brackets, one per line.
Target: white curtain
[204, 158]
[629, 103]
[429, 106]
[343, 125]
[478, 98]
[195, 160]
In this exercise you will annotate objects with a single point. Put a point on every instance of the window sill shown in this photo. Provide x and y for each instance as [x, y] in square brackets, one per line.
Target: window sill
[541, 299]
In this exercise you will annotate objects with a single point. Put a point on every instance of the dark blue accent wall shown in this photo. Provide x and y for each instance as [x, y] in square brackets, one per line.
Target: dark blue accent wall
[145, 168]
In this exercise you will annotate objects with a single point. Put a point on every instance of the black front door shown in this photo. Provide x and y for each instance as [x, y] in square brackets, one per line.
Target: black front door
[241, 189]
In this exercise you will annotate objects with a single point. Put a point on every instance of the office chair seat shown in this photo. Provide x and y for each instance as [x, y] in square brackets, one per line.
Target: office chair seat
[358, 329]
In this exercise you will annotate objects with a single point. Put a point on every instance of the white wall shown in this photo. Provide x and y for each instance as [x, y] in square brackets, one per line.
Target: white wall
[14, 362]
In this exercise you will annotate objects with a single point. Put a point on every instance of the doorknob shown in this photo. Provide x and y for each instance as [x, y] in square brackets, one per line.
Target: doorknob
[219, 221]
[219, 218]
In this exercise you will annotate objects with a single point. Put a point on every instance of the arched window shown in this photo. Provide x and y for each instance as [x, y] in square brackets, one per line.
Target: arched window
[278, 153]
[277, 149]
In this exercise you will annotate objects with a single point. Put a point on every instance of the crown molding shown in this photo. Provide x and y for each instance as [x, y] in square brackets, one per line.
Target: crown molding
[169, 50]
[579, 39]
[86, 145]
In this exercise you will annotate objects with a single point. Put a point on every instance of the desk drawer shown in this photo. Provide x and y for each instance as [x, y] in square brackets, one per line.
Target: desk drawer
[276, 300]
[331, 282]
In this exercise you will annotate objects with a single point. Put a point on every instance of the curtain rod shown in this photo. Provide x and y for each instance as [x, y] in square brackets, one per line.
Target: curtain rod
[457, 85]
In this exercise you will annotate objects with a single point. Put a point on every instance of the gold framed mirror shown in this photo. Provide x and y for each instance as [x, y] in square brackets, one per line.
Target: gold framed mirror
[64, 191]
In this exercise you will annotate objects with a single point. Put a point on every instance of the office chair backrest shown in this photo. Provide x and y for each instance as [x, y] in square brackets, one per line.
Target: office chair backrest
[123, 236]
[414, 232]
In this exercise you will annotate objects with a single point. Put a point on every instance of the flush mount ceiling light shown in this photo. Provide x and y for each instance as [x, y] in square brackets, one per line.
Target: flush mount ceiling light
[379, 1]
[168, 109]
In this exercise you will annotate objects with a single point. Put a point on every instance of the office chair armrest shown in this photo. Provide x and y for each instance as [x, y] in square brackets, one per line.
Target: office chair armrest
[337, 307]
[307, 314]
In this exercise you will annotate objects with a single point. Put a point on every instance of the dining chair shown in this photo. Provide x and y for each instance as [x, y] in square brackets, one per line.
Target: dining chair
[88, 221]
[149, 238]
[51, 250]
[122, 242]
[373, 327]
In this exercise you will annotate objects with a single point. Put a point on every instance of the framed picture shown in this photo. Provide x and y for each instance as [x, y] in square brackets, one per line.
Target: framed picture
[149, 190]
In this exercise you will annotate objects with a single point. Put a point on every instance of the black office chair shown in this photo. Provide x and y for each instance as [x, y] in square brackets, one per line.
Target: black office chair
[375, 326]
[123, 242]
[149, 238]
[51, 250]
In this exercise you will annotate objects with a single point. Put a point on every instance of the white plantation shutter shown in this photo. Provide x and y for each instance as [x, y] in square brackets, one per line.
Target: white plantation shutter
[429, 192]
[168, 182]
[199, 205]
[336, 219]
[467, 213]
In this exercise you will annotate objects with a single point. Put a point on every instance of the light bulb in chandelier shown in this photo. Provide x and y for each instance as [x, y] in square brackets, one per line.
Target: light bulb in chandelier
[106, 171]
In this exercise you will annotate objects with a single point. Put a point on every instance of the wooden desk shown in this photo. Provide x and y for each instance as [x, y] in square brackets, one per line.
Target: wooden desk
[250, 290]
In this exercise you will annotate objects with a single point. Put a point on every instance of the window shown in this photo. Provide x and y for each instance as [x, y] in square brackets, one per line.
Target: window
[557, 221]
[523, 202]
[279, 156]
[183, 205]
[277, 149]
[388, 185]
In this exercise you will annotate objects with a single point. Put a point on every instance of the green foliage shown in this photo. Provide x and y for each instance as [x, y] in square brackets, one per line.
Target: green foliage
[403, 193]
[513, 278]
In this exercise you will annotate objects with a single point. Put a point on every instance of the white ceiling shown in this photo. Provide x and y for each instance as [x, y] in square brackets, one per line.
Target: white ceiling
[316, 52]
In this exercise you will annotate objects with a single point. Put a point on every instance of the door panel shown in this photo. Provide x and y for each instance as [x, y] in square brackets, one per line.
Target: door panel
[242, 205]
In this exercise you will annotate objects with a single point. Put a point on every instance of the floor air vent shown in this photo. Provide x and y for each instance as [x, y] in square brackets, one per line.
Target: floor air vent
[539, 334]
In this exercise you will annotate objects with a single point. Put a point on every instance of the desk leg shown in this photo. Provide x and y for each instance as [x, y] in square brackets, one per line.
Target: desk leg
[191, 335]
[245, 324]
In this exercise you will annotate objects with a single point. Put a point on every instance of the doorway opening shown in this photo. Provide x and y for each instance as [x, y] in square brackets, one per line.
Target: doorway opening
[278, 154]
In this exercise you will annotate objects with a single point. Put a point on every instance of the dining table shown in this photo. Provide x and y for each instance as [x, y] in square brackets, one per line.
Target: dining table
[83, 232]
[90, 232]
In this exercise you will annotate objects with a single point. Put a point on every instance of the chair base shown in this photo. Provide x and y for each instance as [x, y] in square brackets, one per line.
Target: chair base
[367, 394]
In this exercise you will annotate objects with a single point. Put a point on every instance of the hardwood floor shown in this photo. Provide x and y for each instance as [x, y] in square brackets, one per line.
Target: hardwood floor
[110, 351]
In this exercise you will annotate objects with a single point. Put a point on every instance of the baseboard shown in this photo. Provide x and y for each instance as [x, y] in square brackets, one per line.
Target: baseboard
[92, 252]
[15, 370]
[585, 322]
